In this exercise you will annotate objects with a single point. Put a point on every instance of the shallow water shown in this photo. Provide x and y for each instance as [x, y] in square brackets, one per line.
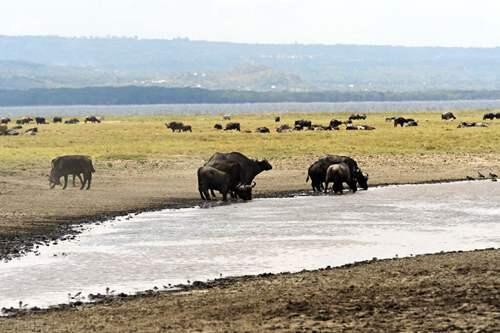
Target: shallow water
[265, 235]
[215, 109]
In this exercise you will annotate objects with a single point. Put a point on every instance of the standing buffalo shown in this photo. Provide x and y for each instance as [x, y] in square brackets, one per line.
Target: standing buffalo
[57, 120]
[334, 123]
[232, 126]
[218, 126]
[277, 119]
[249, 168]
[338, 174]
[357, 116]
[176, 126]
[63, 166]
[317, 171]
[489, 116]
[302, 124]
[40, 120]
[401, 121]
[92, 119]
[210, 179]
[4, 120]
[448, 116]
[24, 120]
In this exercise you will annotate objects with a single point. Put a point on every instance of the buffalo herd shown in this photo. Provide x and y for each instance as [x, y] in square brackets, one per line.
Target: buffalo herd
[26, 120]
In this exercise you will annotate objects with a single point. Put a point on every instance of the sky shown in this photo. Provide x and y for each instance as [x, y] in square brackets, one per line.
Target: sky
[370, 22]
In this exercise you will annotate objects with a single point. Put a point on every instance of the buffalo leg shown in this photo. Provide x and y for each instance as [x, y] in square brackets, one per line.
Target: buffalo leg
[224, 196]
[201, 195]
[65, 182]
[89, 180]
[52, 185]
[213, 193]
[353, 187]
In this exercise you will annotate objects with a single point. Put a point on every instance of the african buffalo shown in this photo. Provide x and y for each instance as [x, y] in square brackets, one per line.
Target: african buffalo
[4, 120]
[338, 174]
[175, 126]
[302, 124]
[249, 168]
[283, 128]
[57, 120]
[334, 123]
[40, 120]
[410, 123]
[187, 128]
[24, 120]
[465, 124]
[218, 126]
[357, 116]
[277, 119]
[497, 115]
[489, 116]
[63, 166]
[72, 121]
[401, 121]
[262, 130]
[232, 126]
[448, 116]
[210, 179]
[92, 119]
[317, 171]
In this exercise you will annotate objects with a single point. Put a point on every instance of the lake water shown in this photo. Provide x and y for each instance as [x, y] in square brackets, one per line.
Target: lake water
[192, 109]
[265, 235]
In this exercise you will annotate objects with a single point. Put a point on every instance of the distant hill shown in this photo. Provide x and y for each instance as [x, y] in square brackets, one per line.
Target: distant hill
[47, 62]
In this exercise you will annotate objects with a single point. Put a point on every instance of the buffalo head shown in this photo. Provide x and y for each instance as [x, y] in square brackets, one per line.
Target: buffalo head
[245, 191]
[264, 165]
[362, 180]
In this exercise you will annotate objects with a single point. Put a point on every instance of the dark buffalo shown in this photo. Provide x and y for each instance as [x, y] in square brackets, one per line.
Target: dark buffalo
[489, 116]
[357, 116]
[40, 120]
[4, 120]
[92, 119]
[411, 123]
[334, 123]
[24, 120]
[277, 119]
[232, 126]
[210, 179]
[448, 116]
[218, 126]
[338, 174]
[401, 121]
[302, 124]
[317, 171]
[57, 120]
[187, 128]
[249, 168]
[262, 130]
[465, 124]
[497, 115]
[31, 131]
[63, 166]
[175, 126]
[72, 121]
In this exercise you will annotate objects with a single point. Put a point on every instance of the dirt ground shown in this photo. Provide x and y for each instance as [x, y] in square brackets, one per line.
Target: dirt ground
[30, 212]
[453, 292]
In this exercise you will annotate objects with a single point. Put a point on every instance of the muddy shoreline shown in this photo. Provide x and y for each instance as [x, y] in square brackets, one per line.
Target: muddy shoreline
[17, 245]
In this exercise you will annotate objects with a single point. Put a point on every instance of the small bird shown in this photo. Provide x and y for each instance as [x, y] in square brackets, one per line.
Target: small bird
[492, 175]
[480, 175]
[469, 178]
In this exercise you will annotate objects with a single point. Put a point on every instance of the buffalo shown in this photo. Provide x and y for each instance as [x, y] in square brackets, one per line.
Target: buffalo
[317, 171]
[401, 121]
[210, 179]
[92, 119]
[232, 126]
[226, 117]
[357, 116]
[489, 116]
[24, 120]
[57, 120]
[497, 115]
[338, 174]
[283, 128]
[465, 124]
[72, 121]
[250, 168]
[40, 120]
[411, 123]
[218, 126]
[175, 126]
[334, 123]
[277, 119]
[448, 116]
[5, 120]
[187, 128]
[63, 166]
[302, 124]
[262, 130]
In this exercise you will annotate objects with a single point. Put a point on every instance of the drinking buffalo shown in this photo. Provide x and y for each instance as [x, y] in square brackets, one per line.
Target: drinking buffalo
[317, 171]
[338, 174]
[232, 126]
[249, 168]
[448, 116]
[210, 179]
[63, 166]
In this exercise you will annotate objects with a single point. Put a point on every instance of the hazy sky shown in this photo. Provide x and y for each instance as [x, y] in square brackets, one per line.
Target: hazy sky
[394, 22]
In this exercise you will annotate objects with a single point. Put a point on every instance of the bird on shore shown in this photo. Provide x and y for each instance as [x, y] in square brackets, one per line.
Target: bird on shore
[492, 175]
[469, 178]
[480, 175]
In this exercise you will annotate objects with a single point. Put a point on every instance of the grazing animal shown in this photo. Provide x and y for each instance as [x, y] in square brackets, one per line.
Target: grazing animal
[24, 120]
[63, 166]
[5, 120]
[489, 116]
[226, 117]
[57, 120]
[283, 128]
[218, 126]
[317, 171]
[410, 123]
[40, 120]
[262, 130]
[187, 128]
[210, 178]
[302, 124]
[448, 116]
[277, 119]
[175, 126]
[497, 115]
[338, 174]
[357, 116]
[250, 168]
[92, 119]
[232, 126]
[334, 123]
[72, 121]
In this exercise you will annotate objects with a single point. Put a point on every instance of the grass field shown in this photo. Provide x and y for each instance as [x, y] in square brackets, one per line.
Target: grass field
[146, 138]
